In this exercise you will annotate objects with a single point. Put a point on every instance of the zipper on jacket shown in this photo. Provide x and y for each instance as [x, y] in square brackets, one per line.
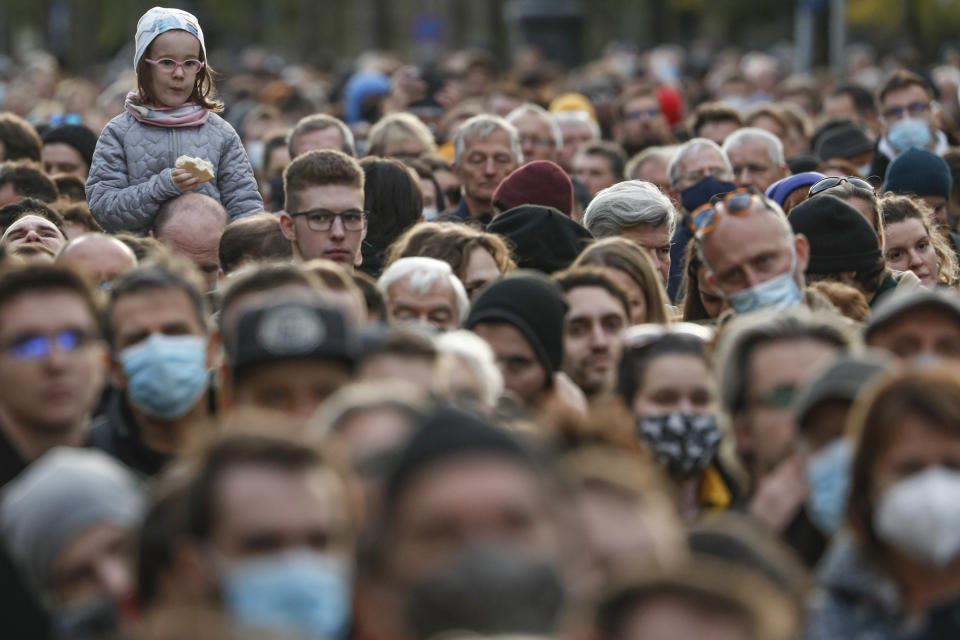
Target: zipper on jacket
[176, 146]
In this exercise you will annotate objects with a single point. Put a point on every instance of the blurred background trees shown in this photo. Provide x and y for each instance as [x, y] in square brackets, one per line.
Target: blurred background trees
[82, 32]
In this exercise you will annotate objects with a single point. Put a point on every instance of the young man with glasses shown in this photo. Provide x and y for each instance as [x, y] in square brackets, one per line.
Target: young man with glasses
[52, 363]
[324, 215]
[639, 121]
[908, 119]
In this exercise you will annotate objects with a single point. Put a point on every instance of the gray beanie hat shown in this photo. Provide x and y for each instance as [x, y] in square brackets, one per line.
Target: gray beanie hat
[60, 495]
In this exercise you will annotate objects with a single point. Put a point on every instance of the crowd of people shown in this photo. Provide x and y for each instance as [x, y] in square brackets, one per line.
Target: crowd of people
[650, 349]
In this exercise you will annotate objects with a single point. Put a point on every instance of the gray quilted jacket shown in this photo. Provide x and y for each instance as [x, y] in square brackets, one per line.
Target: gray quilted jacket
[130, 176]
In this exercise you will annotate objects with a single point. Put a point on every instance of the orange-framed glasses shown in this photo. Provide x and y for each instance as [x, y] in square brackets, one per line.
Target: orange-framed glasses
[704, 219]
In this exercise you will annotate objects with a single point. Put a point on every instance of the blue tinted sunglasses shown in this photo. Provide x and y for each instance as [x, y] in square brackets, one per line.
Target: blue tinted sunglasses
[34, 346]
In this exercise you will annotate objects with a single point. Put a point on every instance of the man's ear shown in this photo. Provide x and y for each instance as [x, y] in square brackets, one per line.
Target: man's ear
[286, 226]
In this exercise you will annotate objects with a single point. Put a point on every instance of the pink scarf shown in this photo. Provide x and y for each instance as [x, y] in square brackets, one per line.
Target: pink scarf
[189, 114]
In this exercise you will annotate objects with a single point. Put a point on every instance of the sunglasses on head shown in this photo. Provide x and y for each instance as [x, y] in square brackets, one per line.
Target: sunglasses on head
[735, 203]
[835, 181]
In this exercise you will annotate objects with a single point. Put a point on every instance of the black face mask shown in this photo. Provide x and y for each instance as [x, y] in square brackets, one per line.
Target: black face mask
[684, 444]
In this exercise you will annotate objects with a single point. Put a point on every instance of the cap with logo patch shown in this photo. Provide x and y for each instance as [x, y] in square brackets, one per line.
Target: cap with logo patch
[292, 330]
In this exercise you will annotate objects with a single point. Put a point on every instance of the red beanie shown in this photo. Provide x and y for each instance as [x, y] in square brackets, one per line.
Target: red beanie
[540, 182]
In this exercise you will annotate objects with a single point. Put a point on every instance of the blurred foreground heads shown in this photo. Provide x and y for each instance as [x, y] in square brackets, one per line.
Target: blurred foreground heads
[69, 524]
[262, 527]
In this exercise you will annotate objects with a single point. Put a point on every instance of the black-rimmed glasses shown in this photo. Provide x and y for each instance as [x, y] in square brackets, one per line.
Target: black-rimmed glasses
[322, 219]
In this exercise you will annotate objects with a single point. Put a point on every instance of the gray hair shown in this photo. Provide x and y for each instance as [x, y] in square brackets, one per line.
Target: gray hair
[578, 117]
[546, 116]
[746, 135]
[423, 273]
[479, 358]
[481, 126]
[318, 122]
[691, 147]
[628, 204]
[746, 334]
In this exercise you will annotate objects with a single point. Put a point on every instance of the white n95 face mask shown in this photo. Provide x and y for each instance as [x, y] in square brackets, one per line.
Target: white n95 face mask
[920, 516]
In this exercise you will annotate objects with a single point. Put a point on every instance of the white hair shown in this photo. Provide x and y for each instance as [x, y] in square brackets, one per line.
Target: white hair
[546, 116]
[578, 116]
[479, 358]
[481, 126]
[628, 204]
[690, 147]
[422, 274]
[746, 135]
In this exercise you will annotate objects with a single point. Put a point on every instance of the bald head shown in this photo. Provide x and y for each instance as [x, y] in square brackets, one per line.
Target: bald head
[746, 249]
[191, 225]
[98, 255]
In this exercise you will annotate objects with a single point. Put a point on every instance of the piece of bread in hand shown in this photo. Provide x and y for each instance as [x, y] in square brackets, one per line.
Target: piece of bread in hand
[201, 169]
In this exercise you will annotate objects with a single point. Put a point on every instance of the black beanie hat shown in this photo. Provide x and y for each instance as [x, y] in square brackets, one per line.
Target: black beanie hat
[919, 172]
[843, 141]
[840, 237]
[543, 238]
[447, 433]
[77, 136]
[534, 305]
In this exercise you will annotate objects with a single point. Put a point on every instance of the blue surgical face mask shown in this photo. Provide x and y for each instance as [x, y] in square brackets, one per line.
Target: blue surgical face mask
[166, 375]
[910, 133]
[828, 475]
[699, 194]
[779, 293]
[430, 213]
[300, 591]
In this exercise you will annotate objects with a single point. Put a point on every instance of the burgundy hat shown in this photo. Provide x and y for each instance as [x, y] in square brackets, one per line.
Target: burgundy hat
[540, 182]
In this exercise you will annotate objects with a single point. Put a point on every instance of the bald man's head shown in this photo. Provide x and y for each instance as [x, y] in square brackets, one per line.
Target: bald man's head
[98, 255]
[191, 225]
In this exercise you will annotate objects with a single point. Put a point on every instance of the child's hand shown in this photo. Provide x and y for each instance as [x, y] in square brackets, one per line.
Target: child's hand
[184, 180]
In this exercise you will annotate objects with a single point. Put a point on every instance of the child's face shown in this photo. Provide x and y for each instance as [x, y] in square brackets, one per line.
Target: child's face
[172, 89]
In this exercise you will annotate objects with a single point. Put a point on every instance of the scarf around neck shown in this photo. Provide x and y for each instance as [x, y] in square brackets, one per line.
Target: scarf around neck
[189, 114]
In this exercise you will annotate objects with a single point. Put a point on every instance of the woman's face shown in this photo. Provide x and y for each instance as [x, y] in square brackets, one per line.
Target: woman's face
[710, 297]
[676, 383]
[638, 302]
[479, 269]
[917, 445]
[907, 247]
